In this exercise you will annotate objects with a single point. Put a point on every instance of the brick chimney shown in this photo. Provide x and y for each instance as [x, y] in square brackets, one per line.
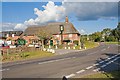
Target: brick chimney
[66, 19]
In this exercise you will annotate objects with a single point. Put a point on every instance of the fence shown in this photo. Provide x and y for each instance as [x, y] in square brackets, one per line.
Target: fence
[17, 50]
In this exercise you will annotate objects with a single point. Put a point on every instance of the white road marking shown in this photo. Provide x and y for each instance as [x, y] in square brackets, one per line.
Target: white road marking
[89, 67]
[71, 75]
[103, 65]
[56, 60]
[95, 70]
[92, 53]
[101, 61]
[95, 64]
[108, 58]
[106, 64]
[80, 71]
[5, 69]
[103, 49]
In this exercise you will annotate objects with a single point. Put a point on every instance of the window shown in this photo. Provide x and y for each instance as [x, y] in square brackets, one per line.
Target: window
[70, 35]
[57, 35]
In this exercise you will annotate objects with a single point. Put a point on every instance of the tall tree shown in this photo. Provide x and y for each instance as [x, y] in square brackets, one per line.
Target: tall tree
[44, 35]
[116, 32]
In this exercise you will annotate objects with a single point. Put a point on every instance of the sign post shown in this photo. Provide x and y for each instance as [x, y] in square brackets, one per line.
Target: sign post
[61, 32]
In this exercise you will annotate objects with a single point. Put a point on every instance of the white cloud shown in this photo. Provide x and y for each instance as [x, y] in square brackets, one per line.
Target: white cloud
[82, 31]
[83, 11]
[92, 11]
[91, 0]
[30, 22]
[20, 27]
[59, 0]
[7, 26]
[50, 13]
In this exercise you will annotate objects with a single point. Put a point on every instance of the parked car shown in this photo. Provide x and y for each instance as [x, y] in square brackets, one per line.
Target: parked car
[4, 46]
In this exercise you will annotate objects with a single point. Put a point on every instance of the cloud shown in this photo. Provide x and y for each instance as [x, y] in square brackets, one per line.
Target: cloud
[91, 0]
[59, 0]
[20, 27]
[83, 11]
[50, 13]
[82, 31]
[92, 10]
[7, 26]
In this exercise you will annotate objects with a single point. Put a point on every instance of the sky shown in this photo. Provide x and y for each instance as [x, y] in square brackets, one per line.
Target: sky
[87, 17]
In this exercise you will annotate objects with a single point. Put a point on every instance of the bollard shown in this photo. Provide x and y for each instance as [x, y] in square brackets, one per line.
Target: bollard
[65, 47]
[53, 51]
[48, 50]
[73, 47]
[49, 46]
[44, 49]
[68, 47]
[56, 47]
[80, 47]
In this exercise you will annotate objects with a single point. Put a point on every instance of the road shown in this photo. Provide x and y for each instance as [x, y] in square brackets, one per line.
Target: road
[103, 58]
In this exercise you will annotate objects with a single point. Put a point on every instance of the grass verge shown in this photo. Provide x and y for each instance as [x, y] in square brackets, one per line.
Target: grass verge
[26, 55]
[89, 44]
[111, 42]
[113, 74]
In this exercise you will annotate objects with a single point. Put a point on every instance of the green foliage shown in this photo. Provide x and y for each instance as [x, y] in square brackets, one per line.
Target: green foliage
[26, 55]
[96, 36]
[108, 75]
[110, 39]
[83, 38]
[106, 35]
[116, 32]
[76, 42]
[89, 44]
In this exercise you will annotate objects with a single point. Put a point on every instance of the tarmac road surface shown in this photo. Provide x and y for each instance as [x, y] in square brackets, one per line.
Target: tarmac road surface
[103, 58]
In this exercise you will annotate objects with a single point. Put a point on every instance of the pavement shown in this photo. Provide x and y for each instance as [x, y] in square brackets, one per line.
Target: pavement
[65, 51]
[104, 58]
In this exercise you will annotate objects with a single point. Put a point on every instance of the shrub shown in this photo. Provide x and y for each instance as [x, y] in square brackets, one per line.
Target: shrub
[75, 42]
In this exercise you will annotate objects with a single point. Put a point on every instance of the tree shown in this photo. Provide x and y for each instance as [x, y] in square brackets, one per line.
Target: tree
[44, 35]
[96, 36]
[111, 39]
[106, 33]
[116, 32]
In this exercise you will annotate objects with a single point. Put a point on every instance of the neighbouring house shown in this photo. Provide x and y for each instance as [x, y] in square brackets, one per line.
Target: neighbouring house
[11, 33]
[23, 40]
[31, 39]
[18, 38]
[52, 32]
[11, 36]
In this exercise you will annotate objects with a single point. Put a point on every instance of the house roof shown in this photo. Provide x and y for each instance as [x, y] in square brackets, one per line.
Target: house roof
[52, 28]
[16, 33]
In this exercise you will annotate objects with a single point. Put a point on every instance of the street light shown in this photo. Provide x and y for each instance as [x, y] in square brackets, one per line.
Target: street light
[61, 31]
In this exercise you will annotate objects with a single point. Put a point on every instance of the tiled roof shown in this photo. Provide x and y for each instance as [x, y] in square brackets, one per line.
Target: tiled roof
[16, 33]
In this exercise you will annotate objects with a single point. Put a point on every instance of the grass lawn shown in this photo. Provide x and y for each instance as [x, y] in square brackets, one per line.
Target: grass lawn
[114, 74]
[26, 55]
[111, 42]
[90, 44]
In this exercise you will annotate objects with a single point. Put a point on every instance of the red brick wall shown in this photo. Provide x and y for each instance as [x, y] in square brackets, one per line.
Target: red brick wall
[67, 36]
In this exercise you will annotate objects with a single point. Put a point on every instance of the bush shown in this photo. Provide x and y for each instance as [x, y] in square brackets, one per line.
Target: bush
[76, 42]
[110, 38]
[97, 39]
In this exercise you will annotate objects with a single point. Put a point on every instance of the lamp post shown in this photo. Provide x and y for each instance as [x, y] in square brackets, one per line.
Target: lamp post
[61, 32]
